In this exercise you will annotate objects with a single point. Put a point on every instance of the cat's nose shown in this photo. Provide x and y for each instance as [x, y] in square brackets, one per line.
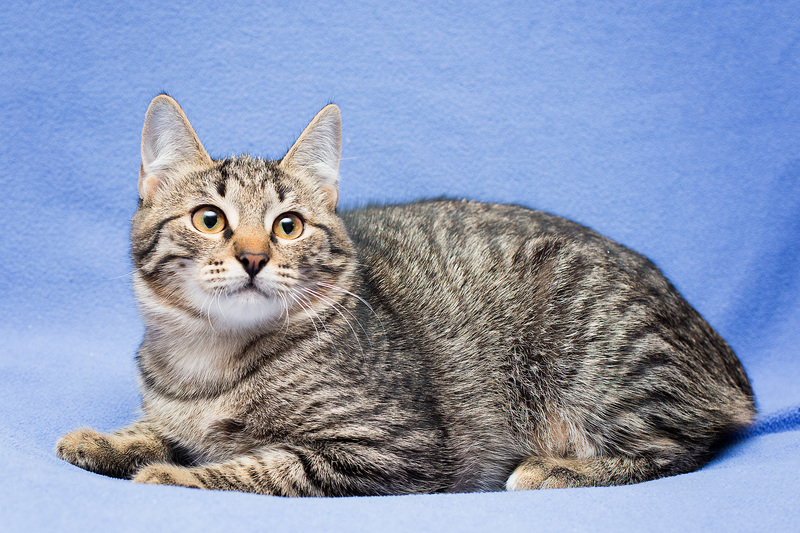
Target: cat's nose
[252, 262]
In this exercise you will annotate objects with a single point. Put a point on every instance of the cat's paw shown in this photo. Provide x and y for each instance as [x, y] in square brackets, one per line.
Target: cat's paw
[168, 474]
[541, 473]
[90, 450]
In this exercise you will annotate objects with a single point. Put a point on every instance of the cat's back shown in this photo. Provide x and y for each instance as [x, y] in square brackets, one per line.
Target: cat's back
[447, 263]
[435, 247]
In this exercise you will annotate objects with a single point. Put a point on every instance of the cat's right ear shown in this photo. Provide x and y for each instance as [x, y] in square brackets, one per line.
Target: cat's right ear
[169, 145]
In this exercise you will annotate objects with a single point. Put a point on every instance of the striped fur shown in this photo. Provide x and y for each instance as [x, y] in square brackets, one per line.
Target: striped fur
[438, 346]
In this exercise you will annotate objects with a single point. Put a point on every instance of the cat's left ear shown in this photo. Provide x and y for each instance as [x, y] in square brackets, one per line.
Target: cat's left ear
[317, 152]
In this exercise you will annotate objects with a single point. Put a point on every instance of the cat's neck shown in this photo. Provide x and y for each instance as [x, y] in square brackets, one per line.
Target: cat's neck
[186, 356]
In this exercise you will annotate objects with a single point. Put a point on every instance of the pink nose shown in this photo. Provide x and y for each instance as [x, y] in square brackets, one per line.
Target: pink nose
[252, 262]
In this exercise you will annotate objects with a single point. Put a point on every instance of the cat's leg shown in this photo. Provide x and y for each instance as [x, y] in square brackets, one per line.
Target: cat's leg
[553, 473]
[282, 471]
[118, 454]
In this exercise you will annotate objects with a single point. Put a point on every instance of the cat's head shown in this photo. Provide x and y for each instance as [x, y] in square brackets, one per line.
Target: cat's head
[238, 243]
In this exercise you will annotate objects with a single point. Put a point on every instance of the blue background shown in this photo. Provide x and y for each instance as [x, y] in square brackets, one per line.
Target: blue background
[673, 127]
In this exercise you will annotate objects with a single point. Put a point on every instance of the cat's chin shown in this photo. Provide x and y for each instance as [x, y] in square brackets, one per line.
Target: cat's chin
[245, 309]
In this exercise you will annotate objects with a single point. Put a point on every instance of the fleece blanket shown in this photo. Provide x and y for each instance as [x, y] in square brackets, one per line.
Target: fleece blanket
[673, 127]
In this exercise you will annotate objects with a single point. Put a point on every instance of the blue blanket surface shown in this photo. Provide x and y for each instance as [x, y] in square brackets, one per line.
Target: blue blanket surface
[672, 127]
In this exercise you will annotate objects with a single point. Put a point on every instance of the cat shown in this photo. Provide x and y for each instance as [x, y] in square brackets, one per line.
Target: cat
[295, 349]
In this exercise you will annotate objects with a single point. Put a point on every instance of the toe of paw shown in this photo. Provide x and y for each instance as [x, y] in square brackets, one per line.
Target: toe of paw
[75, 446]
[162, 474]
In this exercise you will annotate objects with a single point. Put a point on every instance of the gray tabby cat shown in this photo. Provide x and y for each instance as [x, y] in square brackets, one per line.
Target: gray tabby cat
[439, 346]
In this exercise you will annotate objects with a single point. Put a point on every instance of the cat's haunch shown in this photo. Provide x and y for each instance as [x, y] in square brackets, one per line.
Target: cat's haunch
[438, 346]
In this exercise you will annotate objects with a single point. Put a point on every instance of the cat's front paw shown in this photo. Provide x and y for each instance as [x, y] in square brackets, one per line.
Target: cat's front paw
[168, 474]
[90, 450]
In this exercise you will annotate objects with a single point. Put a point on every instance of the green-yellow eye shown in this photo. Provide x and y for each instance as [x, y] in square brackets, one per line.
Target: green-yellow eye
[209, 219]
[288, 226]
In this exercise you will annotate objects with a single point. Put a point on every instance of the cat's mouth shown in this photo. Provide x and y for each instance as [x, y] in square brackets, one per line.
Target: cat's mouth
[250, 289]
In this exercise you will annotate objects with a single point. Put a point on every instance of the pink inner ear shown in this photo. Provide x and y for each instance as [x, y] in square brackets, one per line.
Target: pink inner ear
[148, 186]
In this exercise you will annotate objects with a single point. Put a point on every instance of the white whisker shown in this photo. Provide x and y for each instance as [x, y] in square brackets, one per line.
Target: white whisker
[336, 304]
[303, 307]
[285, 301]
[322, 323]
[362, 300]
[336, 307]
[208, 313]
[129, 274]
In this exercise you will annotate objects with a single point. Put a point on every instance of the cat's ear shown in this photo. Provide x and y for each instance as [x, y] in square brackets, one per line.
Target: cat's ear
[317, 152]
[169, 145]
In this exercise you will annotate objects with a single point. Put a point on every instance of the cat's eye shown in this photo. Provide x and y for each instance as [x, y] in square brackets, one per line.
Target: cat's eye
[208, 219]
[288, 226]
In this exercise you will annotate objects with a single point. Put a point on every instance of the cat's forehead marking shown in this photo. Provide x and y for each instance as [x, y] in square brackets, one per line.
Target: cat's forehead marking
[254, 187]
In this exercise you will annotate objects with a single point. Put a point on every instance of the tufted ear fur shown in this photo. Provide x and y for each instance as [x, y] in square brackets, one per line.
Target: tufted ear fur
[317, 152]
[169, 145]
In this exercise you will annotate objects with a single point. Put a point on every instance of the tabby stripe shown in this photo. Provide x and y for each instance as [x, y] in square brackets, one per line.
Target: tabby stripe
[662, 425]
[332, 248]
[342, 465]
[228, 480]
[323, 227]
[327, 269]
[230, 173]
[235, 482]
[202, 477]
[214, 479]
[297, 485]
[280, 188]
[644, 366]
[164, 260]
[308, 468]
[141, 254]
[266, 478]
[366, 442]
[257, 479]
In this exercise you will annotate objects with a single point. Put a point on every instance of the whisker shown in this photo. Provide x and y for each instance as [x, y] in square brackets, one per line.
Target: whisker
[218, 298]
[285, 301]
[303, 307]
[340, 306]
[322, 323]
[210, 299]
[129, 274]
[362, 300]
[335, 307]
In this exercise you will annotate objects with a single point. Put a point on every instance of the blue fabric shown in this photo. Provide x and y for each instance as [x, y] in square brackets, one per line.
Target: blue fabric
[673, 127]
